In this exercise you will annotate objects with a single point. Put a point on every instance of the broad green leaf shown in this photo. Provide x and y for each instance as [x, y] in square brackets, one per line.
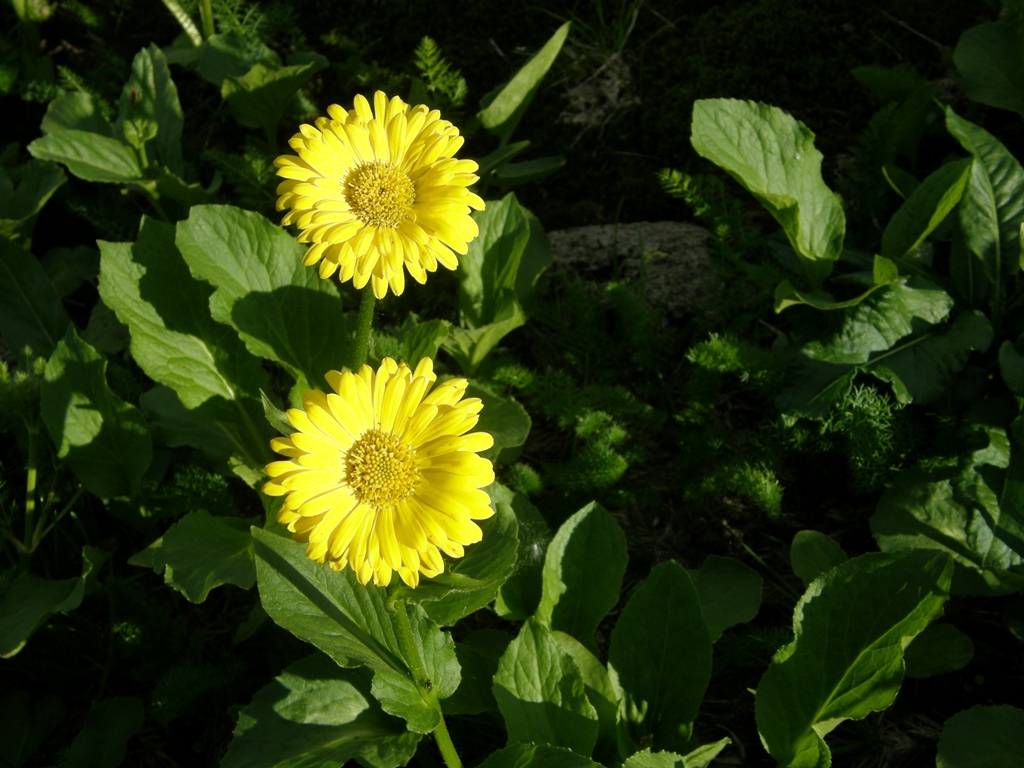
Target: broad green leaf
[877, 323]
[814, 387]
[232, 54]
[502, 109]
[774, 158]
[992, 206]
[104, 439]
[470, 347]
[939, 649]
[930, 511]
[282, 310]
[660, 659]
[28, 601]
[540, 693]
[75, 111]
[317, 715]
[846, 659]
[730, 593]
[925, 209]
[982, 737]
[471, 582]
[259, 98]
[812, 553]
[1011, 366]
[519, 596]
[201, 552]
[990, 60]
[413, 341]
[26, 720]
[513, 174]
[600, 693]
[89, 156]
[921, 369]
[504, 419]
[582, 575]
[537, 756]
[885, 272]
[149, 109]
[103, 740]
[23, 193]
[215, 380]
[352, 624]
[31, 313]
[478, 654]
[698, 758]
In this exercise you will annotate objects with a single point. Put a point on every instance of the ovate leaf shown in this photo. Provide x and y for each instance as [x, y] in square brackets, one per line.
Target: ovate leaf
[730, 593]
[982, 737]
[773, 156]
[540, 693]
[846, 660]
[812, 553]
[925, 209]
[104, 439]
[939, 649]
[990, 60]
[660, 659]
[582, 574]
[28, 601]
[314, 715]
[89, 156]
[31, 313]
[537, 756]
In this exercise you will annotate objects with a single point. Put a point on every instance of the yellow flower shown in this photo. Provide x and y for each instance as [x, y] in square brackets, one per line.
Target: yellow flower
[381, 474]
[379, 192]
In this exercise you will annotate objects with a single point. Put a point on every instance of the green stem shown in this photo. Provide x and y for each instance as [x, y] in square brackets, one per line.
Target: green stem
[419, 675]
[206, 15]
[31, 480]
[362, 345]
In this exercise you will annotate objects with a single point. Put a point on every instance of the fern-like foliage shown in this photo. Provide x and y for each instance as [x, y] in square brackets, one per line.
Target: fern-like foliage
[440, 78]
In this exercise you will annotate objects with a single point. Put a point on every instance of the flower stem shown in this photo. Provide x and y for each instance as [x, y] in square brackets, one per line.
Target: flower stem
[206, 16]
[362, 345]
[419, 675]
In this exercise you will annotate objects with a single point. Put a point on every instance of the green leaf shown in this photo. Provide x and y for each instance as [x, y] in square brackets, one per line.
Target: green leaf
[500, 156]
[600, 693]
[814, 387]
[990, 60]
[282, 310]
[232, 54]
[502, 109]
[993, 201]
[513, 174]
[104, 439]
[68, 268]
[939, 649]
[730, 593]
[471, 582]
[885, 272]
[931, 511]
[582, 575]
[103, 740]
[537, 756]
[75, 111]
[846, 660]
[925, 209]
[25, 722]
[314, 715]
[478, 654]
[149, 108]
[982, 737]
[812, 554]
[880, 321]
[698, 758]
[921, 369]
[504, 419]
[89, 156]
[216, 382]
[470, 347]
[774, 158]
[259, 98]
[31, 313]
[540, 693]
[352, 624]
[28, 601]
[660, 659]
[413, 341]
[37, 180]
[1011, 366]
[519, 596]
[200, 552]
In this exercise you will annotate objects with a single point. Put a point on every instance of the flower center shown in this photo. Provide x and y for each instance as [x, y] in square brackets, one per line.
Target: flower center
[379, 194]
[380, 470]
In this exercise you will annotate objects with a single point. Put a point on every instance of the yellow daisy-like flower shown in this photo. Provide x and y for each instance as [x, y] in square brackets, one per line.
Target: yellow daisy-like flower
[381, 475]
[377, 192]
